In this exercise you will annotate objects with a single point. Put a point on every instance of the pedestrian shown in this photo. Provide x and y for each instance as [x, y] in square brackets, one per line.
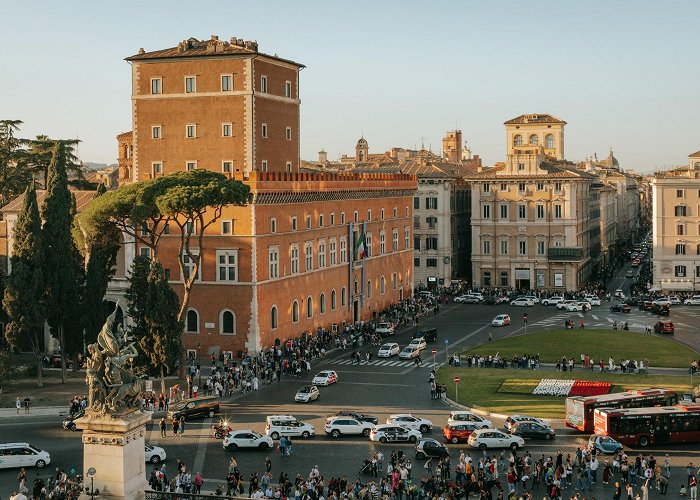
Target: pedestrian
[162, 427]
[175, 425]
[693, 486]
[181, 425]
[582, 324]
[26, 405]
[268, 465]
[18, 404]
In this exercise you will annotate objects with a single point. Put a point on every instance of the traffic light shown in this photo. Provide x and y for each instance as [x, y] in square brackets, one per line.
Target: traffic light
[525, 317]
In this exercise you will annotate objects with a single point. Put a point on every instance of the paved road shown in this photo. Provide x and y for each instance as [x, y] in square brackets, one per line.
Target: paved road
[380, 388]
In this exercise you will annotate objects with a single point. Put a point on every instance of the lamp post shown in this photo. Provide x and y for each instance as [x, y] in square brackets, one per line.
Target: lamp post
[199, 369]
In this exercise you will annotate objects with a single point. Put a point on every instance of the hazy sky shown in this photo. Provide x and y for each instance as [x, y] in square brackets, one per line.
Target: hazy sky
[623, 74]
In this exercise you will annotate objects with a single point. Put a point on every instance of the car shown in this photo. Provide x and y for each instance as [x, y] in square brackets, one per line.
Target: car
[246, 438]
[410, 422]
[521, 302]
[692, 301]
[533, 298]
[15, 455]
[661, 309]
[428, 447]
[645, 303]
[429, 334]
[489, 301]
[619, 293]
[409, 352]
[502, 299]
[664, 327]
[69, 422]
[200, 407]
[501, 320]
[592, 300]
[385, 329]
[636, 262]
[517, 419]
[337, 426]
[662, 301]
[307, 394]
[623, 308]
[467, 299]
[675, 301]
[532, 430]
[154, 454]
[356, 415]
[479, 295]
[459, 431]
[493, 438]
[388, 350]
[563, 304]
[419, 343]
[629, 274]
[287, 425]
[326, 377]
[631, 301]
[604, 444]
[552, 301]
[461, 416]
[392, 433]
[578, 307]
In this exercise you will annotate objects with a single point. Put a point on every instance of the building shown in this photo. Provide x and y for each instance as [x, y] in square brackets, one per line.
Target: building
[535, 219]
[676, 231]
[214, 104]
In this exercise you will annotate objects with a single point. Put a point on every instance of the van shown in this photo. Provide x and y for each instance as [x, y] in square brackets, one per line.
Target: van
[22, 455]
[204, 406]
[429, 334]
[287, 425]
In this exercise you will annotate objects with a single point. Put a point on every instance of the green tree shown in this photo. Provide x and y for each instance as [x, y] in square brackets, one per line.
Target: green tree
[25, 285]
[153, 307]
[14, 176]
[40, 154]
[61, 293]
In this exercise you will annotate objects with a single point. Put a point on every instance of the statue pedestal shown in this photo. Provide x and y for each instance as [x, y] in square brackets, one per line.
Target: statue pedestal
[114, 447]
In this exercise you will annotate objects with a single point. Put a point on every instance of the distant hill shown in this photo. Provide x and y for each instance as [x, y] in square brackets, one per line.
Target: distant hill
[95, 166]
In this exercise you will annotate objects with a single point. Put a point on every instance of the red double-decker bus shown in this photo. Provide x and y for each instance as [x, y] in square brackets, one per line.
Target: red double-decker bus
[579, 409]
[650, 426]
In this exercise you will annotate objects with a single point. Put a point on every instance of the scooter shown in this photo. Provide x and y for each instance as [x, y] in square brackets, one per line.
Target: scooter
[221, 429]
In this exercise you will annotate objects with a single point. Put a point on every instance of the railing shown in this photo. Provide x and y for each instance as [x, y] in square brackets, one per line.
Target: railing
[163, 495]
[565, 254]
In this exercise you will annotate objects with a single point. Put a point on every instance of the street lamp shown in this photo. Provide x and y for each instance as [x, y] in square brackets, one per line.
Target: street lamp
[199, 369]
[91, 490]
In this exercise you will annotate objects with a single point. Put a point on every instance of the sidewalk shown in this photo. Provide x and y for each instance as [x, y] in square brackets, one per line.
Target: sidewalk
[39, 411]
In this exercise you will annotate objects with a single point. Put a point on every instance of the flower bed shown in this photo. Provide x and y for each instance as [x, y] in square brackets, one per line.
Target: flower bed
[557, 387]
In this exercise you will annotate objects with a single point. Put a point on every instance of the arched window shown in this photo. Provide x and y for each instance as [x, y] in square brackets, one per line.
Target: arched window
[192, 321]
[309, 307]
[549, 141]
[227, 323]
[697, 165]
[534, 139]
[342, 297]
[322, 303]
[381, 285]
[295, 311]
[273, 317]
[518, 140]
[333, 305]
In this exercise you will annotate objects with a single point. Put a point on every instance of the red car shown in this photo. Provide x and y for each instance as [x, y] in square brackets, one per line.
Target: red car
[664, 327]
[455, 433]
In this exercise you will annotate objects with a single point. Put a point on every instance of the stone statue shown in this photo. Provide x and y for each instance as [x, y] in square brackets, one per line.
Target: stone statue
[112, 386]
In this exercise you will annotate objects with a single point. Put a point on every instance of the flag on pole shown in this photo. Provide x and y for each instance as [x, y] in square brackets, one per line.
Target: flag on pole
[361, 246]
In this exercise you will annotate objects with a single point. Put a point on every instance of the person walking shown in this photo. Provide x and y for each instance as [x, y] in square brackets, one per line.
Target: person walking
[181, 425]
[175, 426]
[18, 405]
[162, 427]
[693, 486]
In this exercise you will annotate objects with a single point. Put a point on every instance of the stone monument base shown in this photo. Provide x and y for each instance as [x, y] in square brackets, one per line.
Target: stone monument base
[114, 447]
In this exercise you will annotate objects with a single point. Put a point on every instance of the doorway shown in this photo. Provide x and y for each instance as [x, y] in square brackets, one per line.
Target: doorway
[355, 311]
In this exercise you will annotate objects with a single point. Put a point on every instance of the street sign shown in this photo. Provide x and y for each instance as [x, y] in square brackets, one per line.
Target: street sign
[447, 341]
[456, 379]
[434, 352]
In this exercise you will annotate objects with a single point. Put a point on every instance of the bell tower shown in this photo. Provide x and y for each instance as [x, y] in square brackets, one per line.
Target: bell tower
[361, 150]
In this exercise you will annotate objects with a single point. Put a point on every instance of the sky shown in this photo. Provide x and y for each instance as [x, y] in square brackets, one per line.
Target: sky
[622, 74]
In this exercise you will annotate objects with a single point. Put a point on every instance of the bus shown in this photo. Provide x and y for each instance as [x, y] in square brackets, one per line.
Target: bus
[579, 409]
[650, 426]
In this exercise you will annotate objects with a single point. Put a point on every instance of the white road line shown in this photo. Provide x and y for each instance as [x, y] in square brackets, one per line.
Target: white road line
[202, 447]
[594, 317]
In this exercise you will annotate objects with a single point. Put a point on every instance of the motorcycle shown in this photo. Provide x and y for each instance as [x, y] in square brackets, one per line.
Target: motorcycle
[221, 429]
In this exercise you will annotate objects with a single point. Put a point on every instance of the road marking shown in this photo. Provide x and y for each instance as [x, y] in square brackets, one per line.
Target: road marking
[202, 447]
[375, 383]
[595, 317]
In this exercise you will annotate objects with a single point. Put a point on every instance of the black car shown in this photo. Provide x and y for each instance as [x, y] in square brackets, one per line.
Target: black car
[357, 416]
[631, 301]
[429, 334]
[427, 447]
[532, 430]
[623, 308]
[661, 309]
[69, 422]
[489, 300]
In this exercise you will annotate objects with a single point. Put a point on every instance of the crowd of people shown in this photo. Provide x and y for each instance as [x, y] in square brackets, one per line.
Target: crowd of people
[61, 485]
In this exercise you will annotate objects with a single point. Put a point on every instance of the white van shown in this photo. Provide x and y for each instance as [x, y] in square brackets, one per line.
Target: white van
[287, 425]
[22, 455]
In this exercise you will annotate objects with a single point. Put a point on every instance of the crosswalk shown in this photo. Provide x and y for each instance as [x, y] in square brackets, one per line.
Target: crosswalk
[382, 362]
[637, 320]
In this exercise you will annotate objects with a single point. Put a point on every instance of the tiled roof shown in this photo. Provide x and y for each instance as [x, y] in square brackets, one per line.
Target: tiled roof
[695, 155]
[534, 118]
[125, 135]
[550, 171]
[82, 198]
[437, 169]
[203, 48]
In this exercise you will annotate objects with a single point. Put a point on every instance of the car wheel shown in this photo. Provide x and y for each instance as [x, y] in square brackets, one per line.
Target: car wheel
[211, 413]
[275, 435]
[40, 464]
[514, 446]
[482, 446]
[412, 439]
[335, 433]
[263, 446]
[454, 440]
[424, 428]
[365, 432]
[420, 455]
[232, 447]
[643, 441]
[305, 434]
[548, 436]
[382, 439]
[155, 459]
[73, 427]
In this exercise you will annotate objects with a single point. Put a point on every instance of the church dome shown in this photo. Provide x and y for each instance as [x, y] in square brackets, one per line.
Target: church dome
[362, 143]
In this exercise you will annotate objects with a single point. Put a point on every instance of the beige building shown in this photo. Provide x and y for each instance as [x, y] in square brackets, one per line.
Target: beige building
[535, 219]
[676, 227]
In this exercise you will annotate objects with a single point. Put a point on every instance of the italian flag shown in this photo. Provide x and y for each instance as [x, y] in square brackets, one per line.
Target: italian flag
[361, 247]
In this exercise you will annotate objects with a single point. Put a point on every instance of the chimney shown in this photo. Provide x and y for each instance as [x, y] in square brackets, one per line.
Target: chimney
[141, 51]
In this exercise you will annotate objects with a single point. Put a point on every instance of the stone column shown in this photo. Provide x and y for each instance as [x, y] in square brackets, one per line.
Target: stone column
[114, 447]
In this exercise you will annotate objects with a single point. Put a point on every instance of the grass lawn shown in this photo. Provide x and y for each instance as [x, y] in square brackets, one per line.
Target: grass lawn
[656, 351]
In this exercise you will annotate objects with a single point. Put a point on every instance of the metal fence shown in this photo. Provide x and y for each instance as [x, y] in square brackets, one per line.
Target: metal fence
[164, 495]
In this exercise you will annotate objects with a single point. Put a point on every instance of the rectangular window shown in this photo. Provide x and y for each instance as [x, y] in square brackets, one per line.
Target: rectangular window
[156, 86]
[504, 278]
[309, 256]
[680, 248]
[540, 211]
[395, 212]
[486, 187]
[680, 193]
[680, 271]
[288, 89]
[273, 225]
[540, 186]
[294, 258]
[680, 210]
[166, 228]
[332, 218]
[430, 262]
[504, 186]
[145, 252]
[190, 227]
[522, 212]
[227, 166]
[368, 240]
[263, 84]
[355, 217]
[486, 245]
[321, 254]
[294, 223]
[308, 222]
[416, 203]
[406, 237]
[342, 217]
[486, 211]
[332, 252]
[188, 266]
[190, 84]
[226, 83]
[227, 266]
[557, 211]
[156, 168]
[320, 220]
[431, 243]
[540, 248]
[521, 166]
[226, 227]
[226, 129]
[191, 165]
[191, 131]
[263, 131]
[369, 215]
[680, 229]
[263, 165]
[416, 261]
[395, 240]
[155, 132]
[486, 278]
[382, 214]
[431, 203]
[289, 133]
[289, 167]
[504, 211]
[557, 187]
[504, 247]
[522, 248]
[521, 187]
[343, 250]
[382, 243]
[274, 259]
[416, 243]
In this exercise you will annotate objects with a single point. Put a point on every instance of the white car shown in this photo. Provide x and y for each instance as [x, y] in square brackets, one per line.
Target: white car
[154, 454]
[592, 300]
[502, 299]
[662, 301]
[461, 299]
[692, 301]
[410, 422]
[326, 377]
[519, 419]
[468, 299]
[16, 455]
[419, 343]
[552, 301]
[533, 298]
[493, 438]
[409, 352]
[564, 303]
[522, 302]
[578, 307]
[619, 293]
[392, 433]
[287, 425]
[388, 350]
[337, 426]
[478, 295]
[385, 329]
[307, 394]
[246, 438]
[461, 416]
[501, 320]
[675, 301]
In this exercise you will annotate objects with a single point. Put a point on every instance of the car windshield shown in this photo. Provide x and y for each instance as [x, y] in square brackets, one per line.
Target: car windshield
[323, 374]
[305, 389]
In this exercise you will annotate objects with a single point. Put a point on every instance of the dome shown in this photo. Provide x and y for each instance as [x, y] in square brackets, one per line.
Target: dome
[612, 160]
[362, 143]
